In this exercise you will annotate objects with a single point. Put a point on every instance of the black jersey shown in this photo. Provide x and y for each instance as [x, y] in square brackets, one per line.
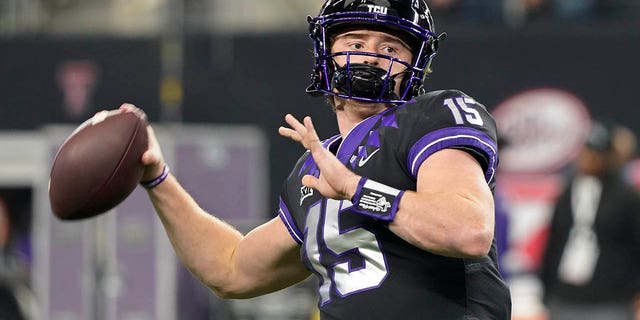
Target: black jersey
[364, 270]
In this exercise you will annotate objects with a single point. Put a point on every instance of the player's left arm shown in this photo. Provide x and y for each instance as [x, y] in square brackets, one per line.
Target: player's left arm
[451, 213]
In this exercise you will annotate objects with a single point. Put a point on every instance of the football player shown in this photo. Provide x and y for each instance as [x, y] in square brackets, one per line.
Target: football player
[394, 214]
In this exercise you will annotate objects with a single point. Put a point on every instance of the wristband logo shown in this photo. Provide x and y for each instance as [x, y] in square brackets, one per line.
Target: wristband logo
[374, 202]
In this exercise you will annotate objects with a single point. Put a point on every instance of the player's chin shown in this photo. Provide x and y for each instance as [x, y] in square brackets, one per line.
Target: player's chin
[370, 107]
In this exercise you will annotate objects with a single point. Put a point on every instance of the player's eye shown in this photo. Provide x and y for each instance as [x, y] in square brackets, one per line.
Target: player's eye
[357, 46]
[389, 50]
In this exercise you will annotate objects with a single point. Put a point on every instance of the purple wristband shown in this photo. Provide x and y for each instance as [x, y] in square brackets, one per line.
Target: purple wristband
[376, 200]
[153, 183]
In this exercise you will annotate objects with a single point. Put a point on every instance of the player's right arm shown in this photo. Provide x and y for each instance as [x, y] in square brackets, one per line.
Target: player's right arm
[233, 265]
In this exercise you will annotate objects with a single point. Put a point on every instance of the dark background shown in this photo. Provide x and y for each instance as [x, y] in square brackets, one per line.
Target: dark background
[257, 79]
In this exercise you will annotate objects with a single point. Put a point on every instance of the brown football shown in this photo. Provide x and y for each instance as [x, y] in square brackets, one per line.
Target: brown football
[98, 166]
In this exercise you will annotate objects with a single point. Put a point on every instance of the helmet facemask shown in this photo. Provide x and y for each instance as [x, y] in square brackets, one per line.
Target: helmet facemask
[364, 82]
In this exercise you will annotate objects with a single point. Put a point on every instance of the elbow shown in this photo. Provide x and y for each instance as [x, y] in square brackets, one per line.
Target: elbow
[465, 242]
[475, 237]
[475, 243]
[223, 290]
[227, 293]
[233, 290]
[221, 293]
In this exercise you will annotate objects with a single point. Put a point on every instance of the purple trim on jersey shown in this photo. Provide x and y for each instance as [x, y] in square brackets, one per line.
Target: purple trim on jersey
[389, 121]
[355, 137]
[374, 139]
[309, 166]
[358, 133]
[286, 217]
[449, 137]
[327, 143]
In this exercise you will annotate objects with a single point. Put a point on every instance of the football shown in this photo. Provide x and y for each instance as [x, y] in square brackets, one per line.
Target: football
[98, 165]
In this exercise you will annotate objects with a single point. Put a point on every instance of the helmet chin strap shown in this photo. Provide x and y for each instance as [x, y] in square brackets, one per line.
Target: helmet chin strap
[359, 80]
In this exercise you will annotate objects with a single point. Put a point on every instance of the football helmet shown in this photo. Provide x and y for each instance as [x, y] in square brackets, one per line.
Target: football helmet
[410, 20]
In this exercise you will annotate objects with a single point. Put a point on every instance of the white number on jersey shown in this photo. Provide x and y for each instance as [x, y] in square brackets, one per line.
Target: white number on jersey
[461, 107]
[345, 280]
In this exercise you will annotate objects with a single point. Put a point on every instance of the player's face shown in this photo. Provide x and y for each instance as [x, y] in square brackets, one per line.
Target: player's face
[370, 41]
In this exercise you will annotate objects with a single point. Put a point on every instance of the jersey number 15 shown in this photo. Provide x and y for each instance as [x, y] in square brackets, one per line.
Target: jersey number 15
[462, 111]
[325, 237]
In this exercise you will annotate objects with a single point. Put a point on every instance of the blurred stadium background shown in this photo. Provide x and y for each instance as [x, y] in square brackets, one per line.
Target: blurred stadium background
[217, 77]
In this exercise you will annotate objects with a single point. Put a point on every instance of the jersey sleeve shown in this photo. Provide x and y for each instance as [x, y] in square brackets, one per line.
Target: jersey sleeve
[289, 222]
[295, 198]
[451, 119]
[287, 206]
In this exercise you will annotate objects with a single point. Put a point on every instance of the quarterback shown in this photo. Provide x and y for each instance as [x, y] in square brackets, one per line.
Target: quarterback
[394, 215]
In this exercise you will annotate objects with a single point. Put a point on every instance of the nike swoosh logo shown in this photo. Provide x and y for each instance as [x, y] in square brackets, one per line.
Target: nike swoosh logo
[366, 159]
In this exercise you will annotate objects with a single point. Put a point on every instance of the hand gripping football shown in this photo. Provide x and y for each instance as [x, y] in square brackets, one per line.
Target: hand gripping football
[98, 166]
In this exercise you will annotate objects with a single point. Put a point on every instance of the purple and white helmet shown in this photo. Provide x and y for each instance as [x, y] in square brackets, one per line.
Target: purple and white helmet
[410, 20]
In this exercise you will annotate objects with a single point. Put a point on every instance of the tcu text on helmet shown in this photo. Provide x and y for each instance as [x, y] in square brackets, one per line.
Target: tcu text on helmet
[377, 9]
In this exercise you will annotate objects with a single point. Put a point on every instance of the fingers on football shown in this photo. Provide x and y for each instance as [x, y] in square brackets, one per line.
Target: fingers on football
[153, 155]
[128, 107]
[149, 157]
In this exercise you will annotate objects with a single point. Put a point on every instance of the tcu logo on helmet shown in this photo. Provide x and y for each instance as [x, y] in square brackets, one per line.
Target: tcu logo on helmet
[377, 9]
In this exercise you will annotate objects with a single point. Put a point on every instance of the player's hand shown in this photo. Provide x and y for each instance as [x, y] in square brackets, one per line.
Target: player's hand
[152, 159]
[336, 181]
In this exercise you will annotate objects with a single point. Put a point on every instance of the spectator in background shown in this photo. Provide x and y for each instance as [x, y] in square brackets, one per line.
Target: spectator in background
[590, 266]
[574, 9]
[517, 13]
[479, 11]
[583, 10]
[9, 305]
[626, 145]
[514, 13]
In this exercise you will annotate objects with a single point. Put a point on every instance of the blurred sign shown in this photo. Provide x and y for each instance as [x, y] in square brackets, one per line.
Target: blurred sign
[544, 128]
[77, 79]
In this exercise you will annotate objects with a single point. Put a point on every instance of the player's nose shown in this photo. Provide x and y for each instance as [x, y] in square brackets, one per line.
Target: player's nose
[372, 60]
[368, 54]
